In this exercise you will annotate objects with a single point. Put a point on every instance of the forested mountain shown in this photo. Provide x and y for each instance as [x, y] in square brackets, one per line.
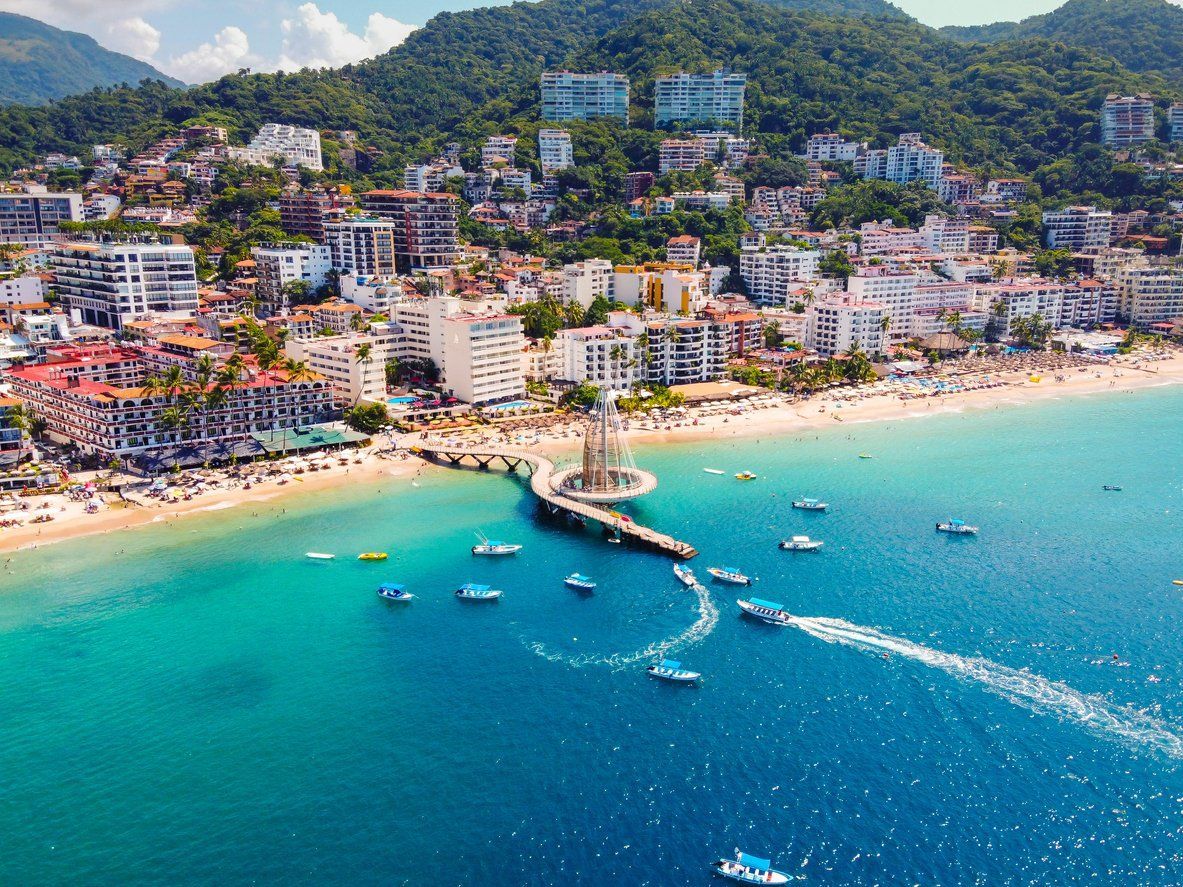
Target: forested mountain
[1007, 107]
[39, 63]
[1144, 35]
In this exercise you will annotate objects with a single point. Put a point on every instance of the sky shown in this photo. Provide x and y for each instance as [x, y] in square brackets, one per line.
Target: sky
[200, 40]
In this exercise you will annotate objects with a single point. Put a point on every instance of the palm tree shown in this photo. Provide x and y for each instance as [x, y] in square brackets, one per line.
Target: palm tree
[21, 419]
[297, 371]
[357, 321]
[364, 356]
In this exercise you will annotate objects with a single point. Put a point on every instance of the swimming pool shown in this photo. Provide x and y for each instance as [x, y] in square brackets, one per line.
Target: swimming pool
[512, 405]
[399, 401]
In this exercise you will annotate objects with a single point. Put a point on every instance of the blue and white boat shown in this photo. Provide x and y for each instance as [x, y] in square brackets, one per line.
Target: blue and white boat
[957, 528]
[767, 611]
[811, 505]
[471, 591]
[580, 582]
[393, 592]
[729, 574]
[685, 575]
[749, 870]
[671, 670]
[493, 547]
[800, 543]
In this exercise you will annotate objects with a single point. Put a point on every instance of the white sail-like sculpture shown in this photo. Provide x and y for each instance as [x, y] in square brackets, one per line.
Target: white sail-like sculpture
[608, 472]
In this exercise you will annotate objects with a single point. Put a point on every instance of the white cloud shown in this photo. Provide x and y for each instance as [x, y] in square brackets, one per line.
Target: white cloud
[230, 51]
[315, 39]
[134, 37]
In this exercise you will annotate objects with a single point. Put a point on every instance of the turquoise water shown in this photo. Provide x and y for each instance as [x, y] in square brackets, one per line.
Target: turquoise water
[198, 703]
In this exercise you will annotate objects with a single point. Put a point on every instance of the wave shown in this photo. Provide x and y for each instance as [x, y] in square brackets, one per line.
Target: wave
[1121, 723]
[708, 618]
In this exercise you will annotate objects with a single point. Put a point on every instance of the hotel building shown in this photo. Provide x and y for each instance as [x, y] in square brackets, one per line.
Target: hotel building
[568, 96]
[700, 98]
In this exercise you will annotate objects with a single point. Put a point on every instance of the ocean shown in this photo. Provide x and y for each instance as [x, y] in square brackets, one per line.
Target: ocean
[198, 702]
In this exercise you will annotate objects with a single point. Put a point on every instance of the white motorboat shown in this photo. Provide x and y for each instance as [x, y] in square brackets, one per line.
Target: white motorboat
[471, 591]
[319, 556]
[957, 528]
[685, 575]
[800, 543]
[392, 591]
[671, 670]
[580, 582]
[749, 870]
[811, 505]
[729, 574]
[772, 613]
[494, 547]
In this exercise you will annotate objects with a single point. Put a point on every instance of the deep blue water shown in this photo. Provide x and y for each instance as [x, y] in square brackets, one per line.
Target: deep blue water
[198, 703]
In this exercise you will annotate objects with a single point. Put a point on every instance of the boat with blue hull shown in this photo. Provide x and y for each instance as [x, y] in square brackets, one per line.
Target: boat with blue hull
[471, 591]
[392, 591]
[580, 582]
[671, 670]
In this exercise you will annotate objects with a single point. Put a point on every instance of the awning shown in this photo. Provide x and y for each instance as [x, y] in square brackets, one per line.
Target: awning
[315, 437]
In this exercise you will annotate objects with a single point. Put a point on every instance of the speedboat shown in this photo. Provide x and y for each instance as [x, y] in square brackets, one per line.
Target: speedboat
[713, 471]
[685, 575]
[729, 574]
[800, 543]
[392, 592]
[470, 591]
[488, 546]
[865, 456]
[319, 555]
[774, 614]
[811, 505]
[580, 582]
[671, 670]
[957, 528]
[1111, 488]
[372, 556]
[749, 870]
[746, 475]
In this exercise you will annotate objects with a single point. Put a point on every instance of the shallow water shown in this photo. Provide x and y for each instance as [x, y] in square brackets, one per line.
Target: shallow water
[199, 702]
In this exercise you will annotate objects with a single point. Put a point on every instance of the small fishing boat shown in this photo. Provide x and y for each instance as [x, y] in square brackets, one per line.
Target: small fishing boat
[671, 670]
[319, 555]
[800, 543]
[372, 556]
[580, 582]
[685, 575]
[811, 505]
[393, 592]
[729, 574]
[471, 591]
[957, 528]
[1111, 488]
[865, 456]
[768, 611]
[749, 870]
[746, 475]
[713, 471]
[491, 547]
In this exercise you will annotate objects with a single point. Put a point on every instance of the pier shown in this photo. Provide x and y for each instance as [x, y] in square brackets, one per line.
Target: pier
[543, 476]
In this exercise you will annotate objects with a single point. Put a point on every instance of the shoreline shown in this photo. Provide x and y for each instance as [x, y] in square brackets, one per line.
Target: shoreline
[832, 409]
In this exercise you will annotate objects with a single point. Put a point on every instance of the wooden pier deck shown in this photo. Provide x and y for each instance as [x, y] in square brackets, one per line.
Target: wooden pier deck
[542, 473]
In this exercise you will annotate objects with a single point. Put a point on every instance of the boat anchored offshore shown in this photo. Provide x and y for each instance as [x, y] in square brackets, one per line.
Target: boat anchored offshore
[800, 543]
[771, 613]
[749, 870]
[746, 475]
[811, 505]
[471, 591]
[393, 592]
[671, 670]
[372, 556]
[488, 546]
[713, 471]
[957, 528]
[729, 574]
[579, 581]
[1111, 488]
[685, 575]
[319, 555]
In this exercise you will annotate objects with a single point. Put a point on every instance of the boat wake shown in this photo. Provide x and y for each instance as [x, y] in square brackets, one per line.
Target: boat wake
[1121, 723]
[708, 618]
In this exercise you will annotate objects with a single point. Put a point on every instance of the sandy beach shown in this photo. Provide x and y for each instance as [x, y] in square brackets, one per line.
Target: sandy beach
[767, 415]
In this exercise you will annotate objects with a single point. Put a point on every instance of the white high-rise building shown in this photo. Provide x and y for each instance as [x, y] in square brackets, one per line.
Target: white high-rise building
[279, 264]
[1150, 294]
[554, 150]
[498, 150]
[362, 246]
[294, 145]
[31, 217]
[911, 160]
[831, 147]
[602, 355]
[771, 273]
[584, 282]
[568, 96]
[1175, 121]
[942, 234]
[483, 357]
[700, 98]
[1077, 228]
[1127, 120]
[111, 283]
[844, 322]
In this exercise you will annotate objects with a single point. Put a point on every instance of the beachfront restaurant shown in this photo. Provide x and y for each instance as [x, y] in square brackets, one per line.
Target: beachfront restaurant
[260, 445]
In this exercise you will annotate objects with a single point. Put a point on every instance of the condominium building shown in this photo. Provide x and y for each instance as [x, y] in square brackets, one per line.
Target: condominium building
[1150, 294]
[911, 160]
[110, 283]
[31, 217]
[362, 246]
[680, 154]
[482, 360]
[700, 98]
[637, 184]
[843, 323]
[431, 176]
[725, 149]
[1175, 121]
[1077, 228]
[1060, 304]
[569, 96]
[498, 150]
[1006, 190]
[94, 398]
[584, 282]
[606, 356]
[1127, 120]
[426, 226]
[354, 363]
[306, 212]
[278, 265]
[942, 234]
[293, 145]
[682, 352]
[554, 150]
[771, 273]
[831, 147]
[685, 249]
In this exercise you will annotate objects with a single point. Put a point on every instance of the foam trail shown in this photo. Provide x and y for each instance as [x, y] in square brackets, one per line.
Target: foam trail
[708, 618]
[1110, 720]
